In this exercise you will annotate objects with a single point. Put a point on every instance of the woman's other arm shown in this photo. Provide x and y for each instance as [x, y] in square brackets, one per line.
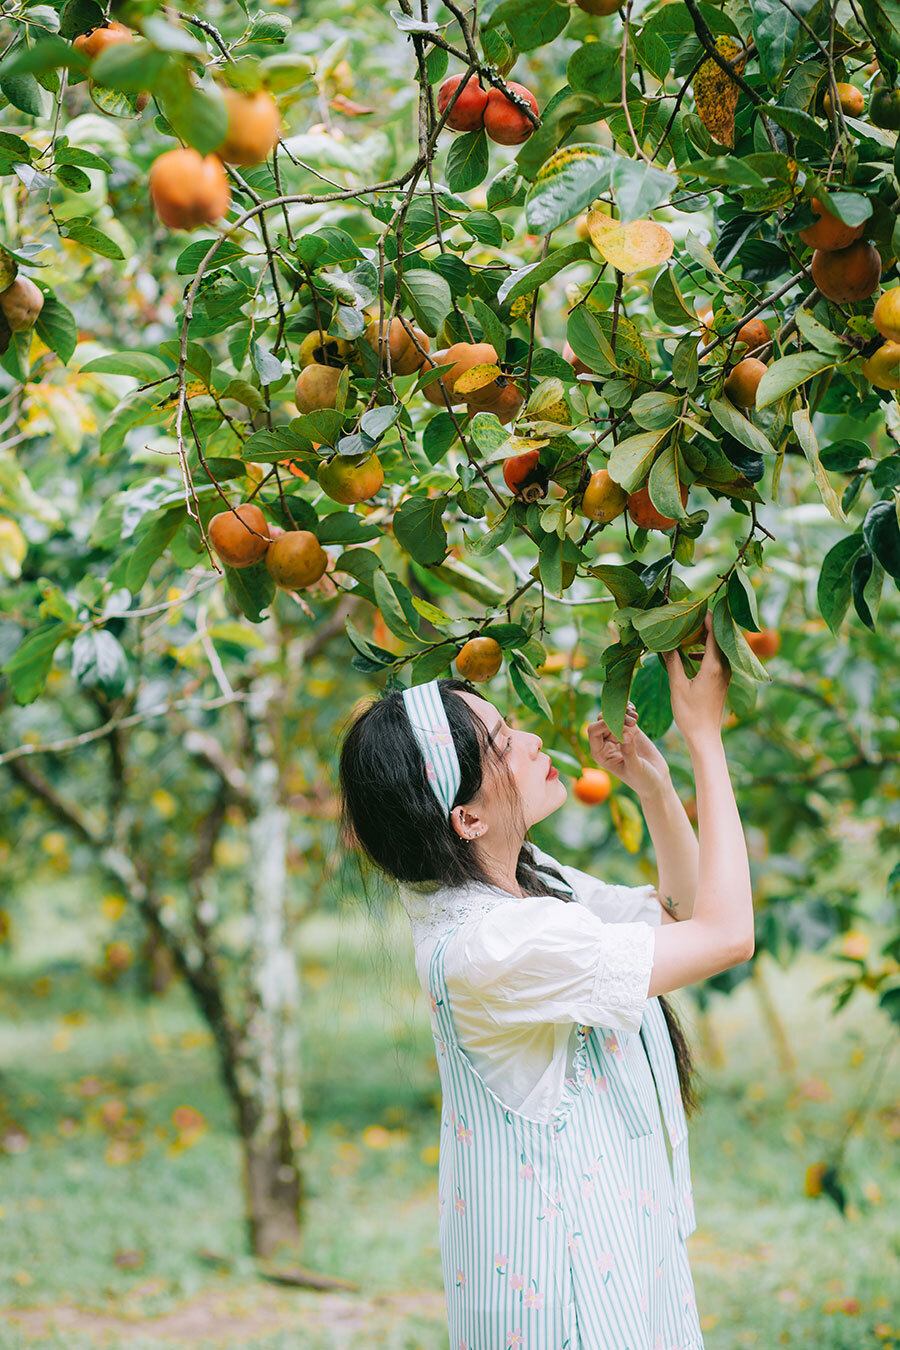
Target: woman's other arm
[677, 851]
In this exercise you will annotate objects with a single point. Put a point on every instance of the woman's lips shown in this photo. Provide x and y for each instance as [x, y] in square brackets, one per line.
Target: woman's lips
[552, 772]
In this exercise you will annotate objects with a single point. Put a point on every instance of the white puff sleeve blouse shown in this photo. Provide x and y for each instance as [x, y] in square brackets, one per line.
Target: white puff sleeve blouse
[521, 972]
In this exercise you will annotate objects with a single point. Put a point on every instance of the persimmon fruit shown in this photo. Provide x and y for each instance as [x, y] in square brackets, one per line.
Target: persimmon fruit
[886, 314]
[644, 513]
[743, 382]
[91, 44]
[323, 350]
[577, 365]
[435, 392]
[468, 110]
[850, 99]
[21, 303]
[296, 559]
[847, 275]
[240, 536]
[405, 356]
[593, 787]
[882, 368]
[506, 123]
[254, 126]
[884, 109]
[603, 498]
[350, 479]
[829, 232]
[188, 189]
[462, 356]
[754, 333]
[765, 643]
[479, 659]
[316, 387]
[601, 8]
[521, 476]
[505, 404]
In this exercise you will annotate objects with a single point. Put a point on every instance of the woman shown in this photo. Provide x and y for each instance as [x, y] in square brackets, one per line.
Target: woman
[562, 1223]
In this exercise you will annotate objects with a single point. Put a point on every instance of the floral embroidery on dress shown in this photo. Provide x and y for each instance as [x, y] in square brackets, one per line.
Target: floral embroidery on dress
[517, 1281]
[460, 1279]
[501, 1261]
[604, 1263]
[612, 1047]
[459, 1203]
[533, 1298]
[463, 1135]
[526, 1171]
[514, 1338]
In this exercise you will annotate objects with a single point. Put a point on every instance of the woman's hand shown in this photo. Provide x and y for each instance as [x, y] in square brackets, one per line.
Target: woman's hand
[635, 759]
[698, 703]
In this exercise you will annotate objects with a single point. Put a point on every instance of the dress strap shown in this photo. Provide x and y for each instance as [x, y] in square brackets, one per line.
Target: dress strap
[658, 1044]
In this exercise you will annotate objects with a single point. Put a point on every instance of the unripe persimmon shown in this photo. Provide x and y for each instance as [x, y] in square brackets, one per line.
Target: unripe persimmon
[593, 786]
[349, 479]
[829, 232]
[882, 368]
[743, 382]
[21, 303]
[468, 110]
[188, 189]
[296, 559]
[406, 358]
[241, 536]
[316, 387]
[849, 97]
[521, 477]
[644, 513]
[98, 39]
[254, 126]
[765, 643]
[479, 659]
[504, 122]
[754, 333]
[847, 274]
[323, 349]
[884, 108]
[603, 498]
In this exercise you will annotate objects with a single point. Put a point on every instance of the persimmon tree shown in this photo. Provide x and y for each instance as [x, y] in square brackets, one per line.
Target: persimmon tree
[496, 350]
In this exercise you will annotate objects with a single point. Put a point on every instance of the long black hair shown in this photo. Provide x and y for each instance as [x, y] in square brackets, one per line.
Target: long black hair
[392, 819]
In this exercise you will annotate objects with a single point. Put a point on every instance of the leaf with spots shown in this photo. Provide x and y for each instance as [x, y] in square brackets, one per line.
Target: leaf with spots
[716, 93]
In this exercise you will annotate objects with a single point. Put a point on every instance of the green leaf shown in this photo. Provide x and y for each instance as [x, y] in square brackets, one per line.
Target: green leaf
[624, 585]
[740, 427]
[818, 335]
[663, 486]
[850, 207]
[664, 626]
[882, 535]
[742, 600]
[129, 67]
[90, 237]
[865, 574]
[620, 662]
[190, 258]
[48, 53]
[734, 645]
[467, 162]
[56, 327]
[153, 537]
[566, 184]
[669, 303]
[141, 365]
[252, 588]
[594, 69]
[30, 664]
[631, 460]
[532, 23]
[639, 188]
[656, 411]
[393, 613]
[807, 438]
[525, 280]
[99, 662]
[685, 364]
[778, 35]
[483, 544]
[789, 373]
[196, 115]
[799, 123]
[428, 296]
[24, 93]
[419, 529]
[431, 665]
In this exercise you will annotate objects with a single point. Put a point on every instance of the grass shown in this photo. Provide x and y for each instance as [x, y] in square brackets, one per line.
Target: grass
[772, 1266]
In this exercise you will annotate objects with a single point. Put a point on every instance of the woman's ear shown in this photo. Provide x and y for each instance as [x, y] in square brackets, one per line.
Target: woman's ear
[466, 823]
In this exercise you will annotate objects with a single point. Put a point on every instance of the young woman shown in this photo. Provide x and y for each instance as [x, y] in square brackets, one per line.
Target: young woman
[562, 1222]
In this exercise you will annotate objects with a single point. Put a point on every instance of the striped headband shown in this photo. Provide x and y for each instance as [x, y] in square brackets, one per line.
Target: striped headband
[428, 719]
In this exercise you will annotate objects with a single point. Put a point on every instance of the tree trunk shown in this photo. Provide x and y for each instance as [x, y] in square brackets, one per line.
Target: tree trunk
[269, 1059]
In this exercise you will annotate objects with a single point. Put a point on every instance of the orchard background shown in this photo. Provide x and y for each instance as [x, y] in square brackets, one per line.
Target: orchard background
[620, 349]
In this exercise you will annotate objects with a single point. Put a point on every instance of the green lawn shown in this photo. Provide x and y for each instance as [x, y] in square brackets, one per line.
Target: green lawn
[77, 1187]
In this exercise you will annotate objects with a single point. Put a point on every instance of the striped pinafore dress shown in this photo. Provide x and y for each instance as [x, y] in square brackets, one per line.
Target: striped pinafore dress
[566, 1234]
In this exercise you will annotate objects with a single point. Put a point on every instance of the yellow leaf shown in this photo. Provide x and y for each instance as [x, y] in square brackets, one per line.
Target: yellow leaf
[13, 547]
[476, 377]
[716, 93]
[630, 248]
[628, 822]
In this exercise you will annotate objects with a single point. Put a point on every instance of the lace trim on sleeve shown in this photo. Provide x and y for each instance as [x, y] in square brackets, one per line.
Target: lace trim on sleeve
[623, 974]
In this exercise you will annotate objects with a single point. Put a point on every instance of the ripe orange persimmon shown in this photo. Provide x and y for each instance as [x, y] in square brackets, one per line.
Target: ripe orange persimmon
[603, 498]
[506, 403]
[254, 126]
[592, 787]
[829, 232]
[765, 643]
[349, 480]
[755, 333]
[296, 559]
[98, 39]
[504, 122]
[886, 314]
[241, 536]
[644, 513]
[882, 368]
[462, 356]
[521, 477]
[436, 392]
[479, 659]
[849, 97]
[468, 110]
[188, 189]
[743, 382]
[577, 365]
[406, 358]
[847, 274]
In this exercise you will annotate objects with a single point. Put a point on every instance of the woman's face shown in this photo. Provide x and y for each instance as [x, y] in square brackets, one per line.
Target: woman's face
[541, 790]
